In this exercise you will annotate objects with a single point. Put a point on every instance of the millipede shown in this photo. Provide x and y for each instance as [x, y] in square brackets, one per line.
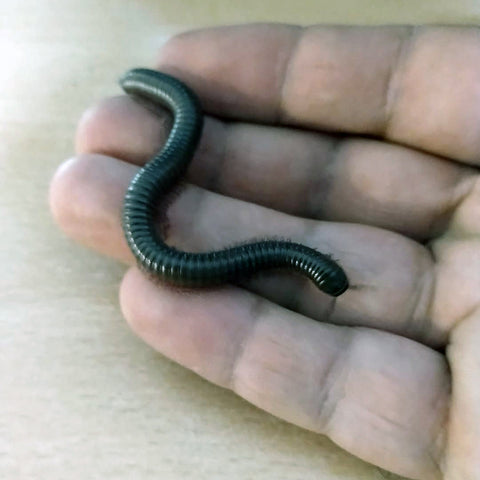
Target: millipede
[163, 171]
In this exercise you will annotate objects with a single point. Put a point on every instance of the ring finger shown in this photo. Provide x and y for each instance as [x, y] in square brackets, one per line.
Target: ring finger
[391, 275]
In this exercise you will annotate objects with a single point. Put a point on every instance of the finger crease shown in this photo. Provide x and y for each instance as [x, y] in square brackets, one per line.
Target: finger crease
[322, 178]
[215, 178]
[286, 74]
[256, 311]
[394, 77]
[465, 189]
[332, 384]
[436, 450]
[420, 317]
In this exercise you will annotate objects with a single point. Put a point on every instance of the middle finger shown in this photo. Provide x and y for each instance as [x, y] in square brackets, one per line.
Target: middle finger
[302, 173]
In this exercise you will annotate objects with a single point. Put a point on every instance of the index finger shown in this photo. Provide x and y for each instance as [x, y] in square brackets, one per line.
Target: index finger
[419, 86]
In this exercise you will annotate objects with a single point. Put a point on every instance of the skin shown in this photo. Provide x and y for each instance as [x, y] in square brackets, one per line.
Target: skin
[364, 142]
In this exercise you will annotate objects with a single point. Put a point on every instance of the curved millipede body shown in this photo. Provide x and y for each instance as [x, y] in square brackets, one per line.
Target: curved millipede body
[158, 176]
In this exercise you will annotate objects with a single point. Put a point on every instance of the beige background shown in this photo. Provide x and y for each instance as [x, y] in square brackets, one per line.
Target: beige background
[80, 396]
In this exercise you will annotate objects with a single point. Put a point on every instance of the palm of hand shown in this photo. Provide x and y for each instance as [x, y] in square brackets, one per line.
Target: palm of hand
[393, 376]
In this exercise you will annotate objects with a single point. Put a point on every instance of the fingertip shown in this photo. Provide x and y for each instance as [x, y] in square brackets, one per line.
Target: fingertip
[122, 128]
[131, 283]
[201, 330]
[62, 191]
[92, 129]
[86, 197]
[134, 297]
[208, 61]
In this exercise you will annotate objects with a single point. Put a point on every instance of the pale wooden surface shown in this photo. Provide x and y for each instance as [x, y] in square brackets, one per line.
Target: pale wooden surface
[80, 396]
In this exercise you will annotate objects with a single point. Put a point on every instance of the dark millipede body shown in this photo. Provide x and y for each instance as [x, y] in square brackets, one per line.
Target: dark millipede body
[158, 176]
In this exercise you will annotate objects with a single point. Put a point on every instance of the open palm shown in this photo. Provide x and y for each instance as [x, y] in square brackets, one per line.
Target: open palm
[361, 142]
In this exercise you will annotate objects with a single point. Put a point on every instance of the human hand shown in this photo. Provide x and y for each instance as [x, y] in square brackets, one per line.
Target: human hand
[391, 369]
